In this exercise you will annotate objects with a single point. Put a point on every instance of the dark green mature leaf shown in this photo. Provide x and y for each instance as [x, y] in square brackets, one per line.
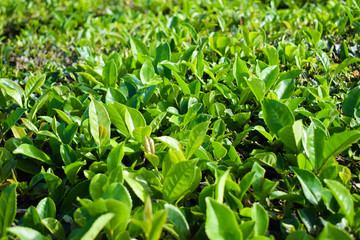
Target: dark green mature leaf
[33, 152]
[196, 138]
[178, 180]
[33, 220]
[300, 234]
[343, 197]
[276, 115]
[351, 102]
[310, 184]
[7, 208]
[220, 221]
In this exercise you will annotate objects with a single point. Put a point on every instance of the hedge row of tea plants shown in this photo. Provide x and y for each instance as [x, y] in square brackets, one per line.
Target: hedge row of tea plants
[203, 119]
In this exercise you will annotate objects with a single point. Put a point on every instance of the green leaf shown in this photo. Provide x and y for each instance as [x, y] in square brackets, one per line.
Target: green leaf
[93, 227]
[324, 60]
[13, 90]
[344, 199]
[351, 102]
[332, 232]
[314, 143]
[343, 65]
[220, 185]
[245, 183]
[71, 170]
[276, 115]
[299, 234]
[110, 74]
[33, 152]
[98, 185]
[147, 72]
[291, 135]
[178, 180]
[138, 47]
[67, 154]
[24, 233]
[163, 52]
[99, 123]
[90, 78]
[157, 223]
[34, 83]
[261, 219]
[33, 220]
[118, 192]
[172, 143]
[12, 119]
[176, 217]
[29, 125]
[310, 184]
[55, 228]
[269, 76]
[119, 222]
[257, 87]
[46, 208]
[220, 222]
[191, 30]
[115, 156]
[133, 119]
[338, 142]
[285, 89]
[196, 138]
[7, 208]
[136, 186]
[117, 115]
[182, 84]
[221, 22]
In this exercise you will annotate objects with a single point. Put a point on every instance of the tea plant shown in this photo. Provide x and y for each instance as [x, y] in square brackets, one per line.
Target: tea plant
[179, 120]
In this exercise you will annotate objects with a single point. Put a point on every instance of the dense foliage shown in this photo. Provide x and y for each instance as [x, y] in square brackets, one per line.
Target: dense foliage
[203, 119]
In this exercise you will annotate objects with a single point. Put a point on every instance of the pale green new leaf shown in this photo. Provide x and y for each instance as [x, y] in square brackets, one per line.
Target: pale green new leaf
[221, 223]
